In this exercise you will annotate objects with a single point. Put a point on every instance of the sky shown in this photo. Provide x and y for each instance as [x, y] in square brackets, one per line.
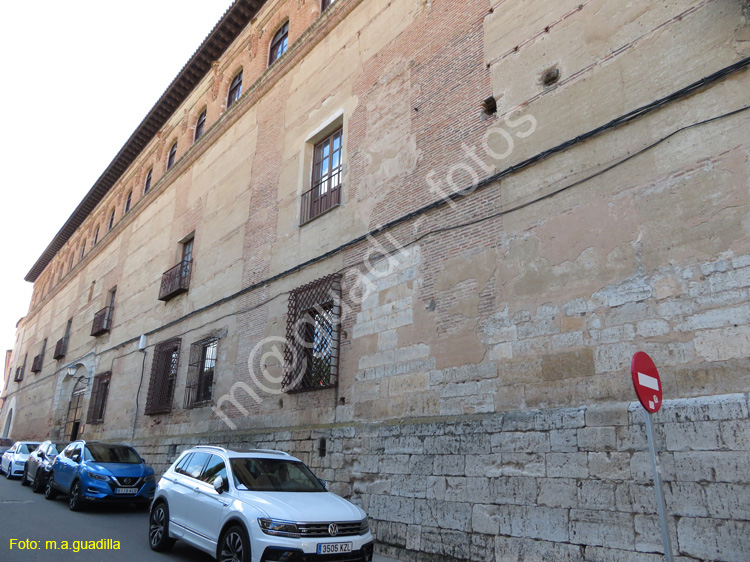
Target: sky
[78, 77]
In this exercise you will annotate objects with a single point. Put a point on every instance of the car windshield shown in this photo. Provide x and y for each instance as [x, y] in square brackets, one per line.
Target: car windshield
[54, 449]
[274, 475]
[26, 448]
[101, 452]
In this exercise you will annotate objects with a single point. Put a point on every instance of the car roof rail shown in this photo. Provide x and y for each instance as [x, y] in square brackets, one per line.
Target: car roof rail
[216, 447]
[268, 452]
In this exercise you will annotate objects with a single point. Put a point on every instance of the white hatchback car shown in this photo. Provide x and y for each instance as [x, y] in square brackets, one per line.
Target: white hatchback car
[255, 506]
[14, 459]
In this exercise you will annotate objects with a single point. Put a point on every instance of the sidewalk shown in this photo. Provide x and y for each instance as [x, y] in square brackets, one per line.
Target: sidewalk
[381, 558]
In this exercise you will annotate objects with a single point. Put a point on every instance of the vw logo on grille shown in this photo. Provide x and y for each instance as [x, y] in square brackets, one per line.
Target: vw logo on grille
[333, 529]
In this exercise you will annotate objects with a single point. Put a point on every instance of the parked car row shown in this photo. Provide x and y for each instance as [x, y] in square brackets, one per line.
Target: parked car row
[253, 506]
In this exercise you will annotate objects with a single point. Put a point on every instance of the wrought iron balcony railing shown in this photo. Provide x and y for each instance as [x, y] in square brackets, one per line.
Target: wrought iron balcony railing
[176, 280]
[102, 321]
[314, 203]
[60, 349]
[36, 364]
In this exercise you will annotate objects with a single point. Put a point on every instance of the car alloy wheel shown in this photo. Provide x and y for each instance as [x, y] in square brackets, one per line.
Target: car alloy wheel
[235, 546]
[158, 528]
[49, 492]
[37, 484]
[9, 472]
[76, 498]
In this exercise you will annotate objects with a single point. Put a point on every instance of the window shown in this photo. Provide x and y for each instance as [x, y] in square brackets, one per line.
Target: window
[96, 236]
[21, 370]
[326, 4]
[199, 388]
[325, 192]
[279, 43]
[172, 155]
[72, 257]
[312, 336]
[147, 184]
[214, 468]
[103, 319]
[187, 251]
[163, 375]
[176, 280]
[128, 201]
[200, 126]
[111, 221]
[38, 362]
[235, 90]
[61, 348]
[99, 395]
[194, 466]
[83, 249]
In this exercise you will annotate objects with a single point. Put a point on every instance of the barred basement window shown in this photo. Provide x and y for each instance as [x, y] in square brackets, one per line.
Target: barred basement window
[200, 383]
[99, 395]
[163, 375]
[311, 357]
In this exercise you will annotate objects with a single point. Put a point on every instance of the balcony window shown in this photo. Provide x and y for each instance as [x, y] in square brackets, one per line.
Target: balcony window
[199, 388]
[176, 280]
[325, 193]
[61, 348]
[103, 319]
[36, 364]
[99, 395]
[279, 43]
[163, 376]
[312, 336]
[235, 90]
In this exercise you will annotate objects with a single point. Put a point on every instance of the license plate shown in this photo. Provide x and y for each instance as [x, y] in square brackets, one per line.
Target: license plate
[334, 547]
[126, 490]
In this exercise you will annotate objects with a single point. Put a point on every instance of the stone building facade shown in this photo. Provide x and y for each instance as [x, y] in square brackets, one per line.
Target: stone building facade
[529, 193]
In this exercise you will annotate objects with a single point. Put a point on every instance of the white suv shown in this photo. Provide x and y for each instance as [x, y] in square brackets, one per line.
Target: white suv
[255, 506]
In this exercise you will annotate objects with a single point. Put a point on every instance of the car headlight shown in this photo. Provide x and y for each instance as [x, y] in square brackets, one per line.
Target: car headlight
[364, 526]
[278, 528]
[95, 476]
[150, 478]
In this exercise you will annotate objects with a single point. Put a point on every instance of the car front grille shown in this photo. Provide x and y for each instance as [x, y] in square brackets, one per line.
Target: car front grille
[348, 529]
[275, 554]
[121, 482]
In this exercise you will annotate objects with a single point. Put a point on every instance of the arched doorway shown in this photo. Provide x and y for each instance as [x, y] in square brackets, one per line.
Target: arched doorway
[75, 409]
[8, 420]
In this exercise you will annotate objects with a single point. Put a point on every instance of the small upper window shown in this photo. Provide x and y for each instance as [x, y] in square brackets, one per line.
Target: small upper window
[279, 43]
[147, 184]
[83, 249]
[326, 4]
[235, 89]
[111, 221]
[200, 126]
[128, 201]
[172, 155]
[96, 236]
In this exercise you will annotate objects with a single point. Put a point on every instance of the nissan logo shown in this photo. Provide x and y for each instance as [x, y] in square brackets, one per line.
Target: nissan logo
[333, 529]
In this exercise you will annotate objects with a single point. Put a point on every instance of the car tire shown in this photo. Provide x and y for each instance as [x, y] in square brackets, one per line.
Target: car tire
[9, 473]
[158, 528]
[49, 492]
[234, 545]
[37, 484]
[25, 476]
[75, 499]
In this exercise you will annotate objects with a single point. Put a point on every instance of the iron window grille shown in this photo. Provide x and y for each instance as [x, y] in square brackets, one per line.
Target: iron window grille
[163, 377]
[176, 280]
[311, 356]
[200, 126]
[201, 373]
[172, 156]
[235, 90]
[279, 43]
[99, 395]
[326, 178]
[102, 321]
[147, 183]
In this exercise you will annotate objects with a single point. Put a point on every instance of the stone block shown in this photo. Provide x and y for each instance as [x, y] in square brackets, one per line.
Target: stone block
[484, 465]
[544, 523]
[521, 441]
[523, 464]
[596, 495]
[728, 501]
[443, 514]
[513, 549]
[567, 465]
[597, 439]
[563, 440]
[602, 415]
[602, 528]
[609, 466]
[714, 539]
[514, 490]
[558, 492]
[449, 465]
[692, 436]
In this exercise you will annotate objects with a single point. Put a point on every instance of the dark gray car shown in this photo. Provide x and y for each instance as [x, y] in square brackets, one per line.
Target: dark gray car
[38, 466]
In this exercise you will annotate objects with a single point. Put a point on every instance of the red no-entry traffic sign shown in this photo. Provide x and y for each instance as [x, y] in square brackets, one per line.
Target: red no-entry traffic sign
[646, 381]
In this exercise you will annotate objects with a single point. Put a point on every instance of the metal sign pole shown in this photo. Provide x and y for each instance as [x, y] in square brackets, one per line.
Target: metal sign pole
[659, 493]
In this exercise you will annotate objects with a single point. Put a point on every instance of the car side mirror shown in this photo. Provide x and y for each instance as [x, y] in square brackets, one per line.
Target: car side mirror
[76, 457]
[220, 485]
[324, 483]
[42, 455]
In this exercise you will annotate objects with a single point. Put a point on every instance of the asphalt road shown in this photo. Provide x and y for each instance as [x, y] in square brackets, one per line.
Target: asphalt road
[26, 515]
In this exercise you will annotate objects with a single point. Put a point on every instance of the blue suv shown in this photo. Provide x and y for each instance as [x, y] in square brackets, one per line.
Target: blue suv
[96, 472]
